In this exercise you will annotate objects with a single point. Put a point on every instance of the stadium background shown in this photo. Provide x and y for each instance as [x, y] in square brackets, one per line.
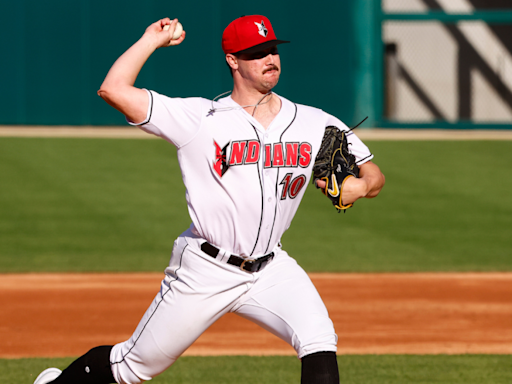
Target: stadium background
[70, 205]
[430, 63]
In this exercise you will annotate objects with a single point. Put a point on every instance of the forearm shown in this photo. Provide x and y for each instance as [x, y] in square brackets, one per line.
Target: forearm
[368, 184]
[370, 173]
[118, 87]
[125, 70]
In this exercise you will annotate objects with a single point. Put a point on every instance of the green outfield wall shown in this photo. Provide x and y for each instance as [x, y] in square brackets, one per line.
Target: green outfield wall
[403, 66]
[56, 53]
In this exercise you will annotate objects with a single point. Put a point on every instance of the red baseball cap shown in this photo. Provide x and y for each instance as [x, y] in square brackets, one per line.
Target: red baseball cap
[249, 34]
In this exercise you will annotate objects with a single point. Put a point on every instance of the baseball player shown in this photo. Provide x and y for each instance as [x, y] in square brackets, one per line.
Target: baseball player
[246, 160]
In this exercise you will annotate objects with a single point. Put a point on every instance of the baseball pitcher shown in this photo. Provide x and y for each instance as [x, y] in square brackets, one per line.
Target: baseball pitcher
[246, 159]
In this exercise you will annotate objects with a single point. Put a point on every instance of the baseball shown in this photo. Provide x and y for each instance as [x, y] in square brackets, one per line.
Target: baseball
[177, 32]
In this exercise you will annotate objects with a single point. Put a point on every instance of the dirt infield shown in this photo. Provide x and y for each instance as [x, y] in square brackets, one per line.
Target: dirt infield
[55, 315]
[363, 133]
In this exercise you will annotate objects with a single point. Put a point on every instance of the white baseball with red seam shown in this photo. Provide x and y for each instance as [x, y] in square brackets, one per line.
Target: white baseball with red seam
[177, 32]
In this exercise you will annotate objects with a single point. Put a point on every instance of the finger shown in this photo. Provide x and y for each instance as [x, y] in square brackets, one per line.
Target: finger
[171, 28]
[167, 29]
[320, 184]
[179, 40]
[165, 22]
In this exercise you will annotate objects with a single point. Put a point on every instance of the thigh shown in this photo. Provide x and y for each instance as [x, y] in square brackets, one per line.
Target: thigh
[193, 295]
[285, 302]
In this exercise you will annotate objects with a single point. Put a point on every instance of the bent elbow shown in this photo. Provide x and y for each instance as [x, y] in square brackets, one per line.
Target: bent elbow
[104, 93]
[110, 95]
[377, 187]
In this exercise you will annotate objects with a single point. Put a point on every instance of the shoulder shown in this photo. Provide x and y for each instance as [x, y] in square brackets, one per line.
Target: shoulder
[303, 115]
[183, 100]
[320, 116]
[302, 108]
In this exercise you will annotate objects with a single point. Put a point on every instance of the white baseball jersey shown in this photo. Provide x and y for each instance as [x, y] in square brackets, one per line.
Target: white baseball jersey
[244, 182]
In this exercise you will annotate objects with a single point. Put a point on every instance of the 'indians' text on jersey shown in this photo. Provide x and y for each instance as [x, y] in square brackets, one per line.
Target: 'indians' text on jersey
[289, 155]
[244, 182]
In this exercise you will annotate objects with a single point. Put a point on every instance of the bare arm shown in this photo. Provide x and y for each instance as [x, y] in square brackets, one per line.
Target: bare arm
[369, 184]
[117, 88]
[373, 179]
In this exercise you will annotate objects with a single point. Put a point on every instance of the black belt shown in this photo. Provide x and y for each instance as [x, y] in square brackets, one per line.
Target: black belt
[248, 265]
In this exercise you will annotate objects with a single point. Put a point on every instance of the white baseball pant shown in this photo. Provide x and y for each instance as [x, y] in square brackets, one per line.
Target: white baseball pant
[198, 289]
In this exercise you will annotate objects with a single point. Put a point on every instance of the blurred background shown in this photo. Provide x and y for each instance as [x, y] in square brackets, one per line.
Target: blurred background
[92, 204]
[403, 63]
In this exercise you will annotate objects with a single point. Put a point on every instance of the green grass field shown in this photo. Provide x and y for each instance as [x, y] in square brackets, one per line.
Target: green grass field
[118, 205]
[370, 369]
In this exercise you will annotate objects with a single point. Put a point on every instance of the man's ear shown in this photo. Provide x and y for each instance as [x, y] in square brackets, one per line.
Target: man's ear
[232, 61]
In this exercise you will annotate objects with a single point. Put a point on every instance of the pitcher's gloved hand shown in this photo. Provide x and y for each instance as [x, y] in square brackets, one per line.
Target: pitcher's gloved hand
[334, 164]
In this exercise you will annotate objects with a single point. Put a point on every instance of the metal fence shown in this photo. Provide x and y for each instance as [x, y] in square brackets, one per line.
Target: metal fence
[446, 64]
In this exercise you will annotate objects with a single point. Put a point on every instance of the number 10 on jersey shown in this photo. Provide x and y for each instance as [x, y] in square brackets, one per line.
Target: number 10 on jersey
[291, 187]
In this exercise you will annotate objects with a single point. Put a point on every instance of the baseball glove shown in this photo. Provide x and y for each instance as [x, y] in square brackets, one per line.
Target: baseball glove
[334, 164]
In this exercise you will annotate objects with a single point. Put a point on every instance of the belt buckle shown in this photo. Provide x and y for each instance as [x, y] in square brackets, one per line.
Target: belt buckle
[245, 261]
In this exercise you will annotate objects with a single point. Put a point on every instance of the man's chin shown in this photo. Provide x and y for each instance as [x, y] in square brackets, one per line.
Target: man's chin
[267, 87]
[272, 81]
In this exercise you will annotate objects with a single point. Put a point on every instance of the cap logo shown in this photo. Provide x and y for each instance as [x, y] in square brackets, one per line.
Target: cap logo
[262, 30]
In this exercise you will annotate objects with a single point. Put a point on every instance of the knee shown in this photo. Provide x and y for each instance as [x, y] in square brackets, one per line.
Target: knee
[137, 365]
[320, 368]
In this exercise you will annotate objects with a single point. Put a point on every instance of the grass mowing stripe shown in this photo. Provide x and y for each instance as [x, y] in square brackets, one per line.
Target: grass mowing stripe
[117, 205]
[76, 205]
[446, 206]
[354, 369]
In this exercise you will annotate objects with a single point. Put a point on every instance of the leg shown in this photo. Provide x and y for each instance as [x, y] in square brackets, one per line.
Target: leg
[93, 367]
[320, 368]
[196, 291]
[194, 294]
[285, 302]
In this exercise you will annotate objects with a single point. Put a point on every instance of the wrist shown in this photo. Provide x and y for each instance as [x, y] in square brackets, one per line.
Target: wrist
[149, 43]
[363, 188]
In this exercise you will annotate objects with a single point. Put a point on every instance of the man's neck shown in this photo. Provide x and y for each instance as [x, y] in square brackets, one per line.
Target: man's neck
[263, 107]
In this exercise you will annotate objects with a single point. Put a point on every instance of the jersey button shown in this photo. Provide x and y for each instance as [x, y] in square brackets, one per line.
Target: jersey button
[269, 199]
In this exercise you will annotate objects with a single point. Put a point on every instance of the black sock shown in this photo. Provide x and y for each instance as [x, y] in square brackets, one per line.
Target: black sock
[320, 368]
[91, 368]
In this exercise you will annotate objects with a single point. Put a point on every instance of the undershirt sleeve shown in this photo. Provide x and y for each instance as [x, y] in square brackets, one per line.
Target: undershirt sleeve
[176, 120]
[356, 146]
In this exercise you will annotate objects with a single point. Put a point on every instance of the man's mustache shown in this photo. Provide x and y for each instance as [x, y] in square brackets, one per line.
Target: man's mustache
[271, 68]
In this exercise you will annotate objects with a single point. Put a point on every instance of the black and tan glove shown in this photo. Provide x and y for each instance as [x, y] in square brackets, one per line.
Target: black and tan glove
[334, 164]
